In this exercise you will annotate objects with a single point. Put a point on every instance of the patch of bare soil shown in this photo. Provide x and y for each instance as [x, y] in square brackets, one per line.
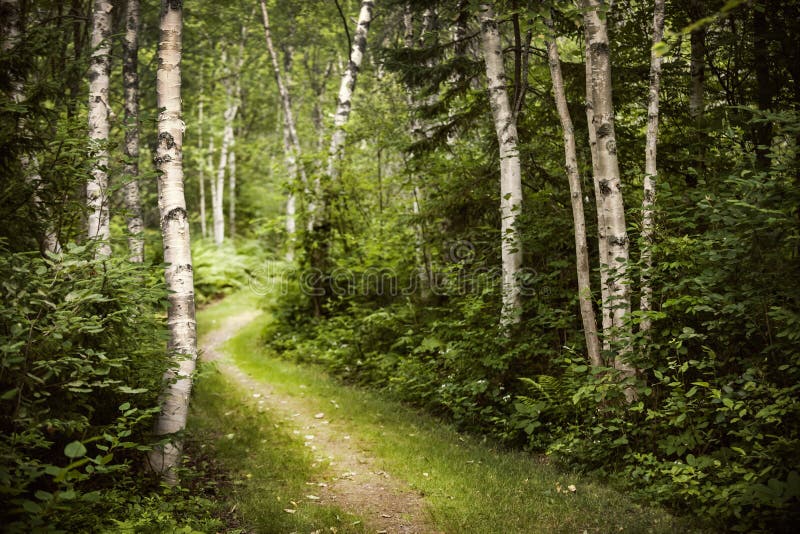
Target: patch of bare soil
[353, 481]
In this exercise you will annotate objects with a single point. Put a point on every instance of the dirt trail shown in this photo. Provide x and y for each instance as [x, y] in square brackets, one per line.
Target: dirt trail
[352, 481]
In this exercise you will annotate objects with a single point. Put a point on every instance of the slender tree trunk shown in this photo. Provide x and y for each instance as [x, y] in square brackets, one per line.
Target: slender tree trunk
[131, 80]
[202, 167]
[510, 172]
[227, 140]
[232, 191]
[576, 198]
[349, 77]
[602, 242]
[698, 82]
[650, 169]
[47, 235]
[99, 110]
[610, 187]
[321, 223]
[291, 142]
[177, 251]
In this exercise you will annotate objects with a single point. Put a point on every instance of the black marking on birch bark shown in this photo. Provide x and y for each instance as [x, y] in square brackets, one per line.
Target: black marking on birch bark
[184, 267]
[605, 190]
[599, 48]
[167, 139]
[611, 146]
[649, 195]
[604, 130]
[615, 240]
[175, 214]
[175, 4]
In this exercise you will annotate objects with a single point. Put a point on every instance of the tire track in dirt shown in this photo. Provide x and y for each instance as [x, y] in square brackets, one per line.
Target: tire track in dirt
[352, 481]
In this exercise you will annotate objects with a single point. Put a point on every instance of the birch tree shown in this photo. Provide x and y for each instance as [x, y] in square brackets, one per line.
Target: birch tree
[130, 76]
[182, 344]
[321, 225]
[48, 236]
[576, 198]
[611, 205]
[291, 142]
[202, 166]
[99, 111]
[510, 173]
[650, 168]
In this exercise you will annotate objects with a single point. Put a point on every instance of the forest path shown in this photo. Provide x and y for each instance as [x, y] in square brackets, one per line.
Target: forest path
[353, 479]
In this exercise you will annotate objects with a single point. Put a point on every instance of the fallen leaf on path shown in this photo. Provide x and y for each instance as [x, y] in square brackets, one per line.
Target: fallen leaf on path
[386, 515]
[289, 510]
[572, 488]
[320, 415]
[312, 497]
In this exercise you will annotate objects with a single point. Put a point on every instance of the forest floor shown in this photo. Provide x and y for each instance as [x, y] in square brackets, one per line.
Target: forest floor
[304, 453]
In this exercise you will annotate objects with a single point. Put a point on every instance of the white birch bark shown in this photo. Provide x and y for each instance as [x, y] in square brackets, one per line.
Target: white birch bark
[602, 243]
[131, 171]
[232, 191]
[291, 142]
[344, 101]
[99, 111]
[217, 199]
[182, 344]
[510, 172]
[610, 186]
[650, 169]
[576, 198]
[202, 167]
[48, 238]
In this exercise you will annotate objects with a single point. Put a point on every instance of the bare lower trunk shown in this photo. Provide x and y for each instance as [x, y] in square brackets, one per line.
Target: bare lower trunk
[177, 252]
[610, 186]
[576, 198]
[99, 68]
[510, 173]
[650, 169]
[131, 171]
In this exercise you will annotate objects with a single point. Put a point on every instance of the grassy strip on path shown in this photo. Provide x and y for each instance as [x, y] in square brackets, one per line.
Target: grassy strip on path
[469, 486]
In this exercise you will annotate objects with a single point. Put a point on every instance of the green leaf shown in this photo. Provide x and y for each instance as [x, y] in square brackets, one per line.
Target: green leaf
[75, 450]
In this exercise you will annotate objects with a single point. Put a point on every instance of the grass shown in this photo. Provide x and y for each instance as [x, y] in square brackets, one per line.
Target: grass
[469, 486]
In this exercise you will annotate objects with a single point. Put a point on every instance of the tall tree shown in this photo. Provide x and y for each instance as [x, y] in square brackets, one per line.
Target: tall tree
[510, 172]
[201, 172]
[48, 235]
[291, 142]
[99, 111]
[576, 198]
[130, 75]
[321, 224]
[650, 168]
[612, 207]
[177, 252]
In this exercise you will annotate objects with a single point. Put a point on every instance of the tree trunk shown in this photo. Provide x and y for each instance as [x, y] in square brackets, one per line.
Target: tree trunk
[321, 224]
[576, 198]
[217, 199]
[291, 142]
[610, 186]
[510, 172]
[697, 69]
[177, 251]
[602, 243]
[99, 110]
[650, 169]
[232, 192]
[131, 172]
[47, 235]
[202, 166]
